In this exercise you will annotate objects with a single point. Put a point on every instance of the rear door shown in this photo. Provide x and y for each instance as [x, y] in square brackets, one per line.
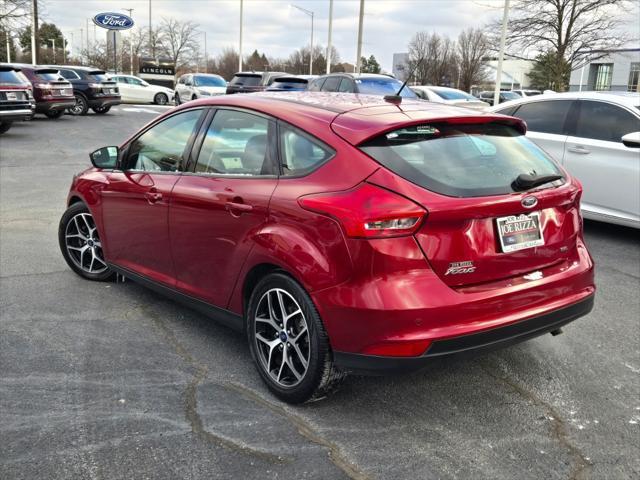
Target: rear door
[595, 154]
[547, 124]
[222, 203]
[135, 203]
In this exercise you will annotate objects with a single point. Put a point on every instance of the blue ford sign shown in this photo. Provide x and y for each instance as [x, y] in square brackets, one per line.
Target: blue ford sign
[113, 21]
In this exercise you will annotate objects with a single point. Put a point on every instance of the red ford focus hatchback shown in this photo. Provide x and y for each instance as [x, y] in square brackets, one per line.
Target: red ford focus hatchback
[339, 232]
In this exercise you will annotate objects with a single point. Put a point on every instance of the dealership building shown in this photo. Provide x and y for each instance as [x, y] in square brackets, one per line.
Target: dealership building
[604, 70]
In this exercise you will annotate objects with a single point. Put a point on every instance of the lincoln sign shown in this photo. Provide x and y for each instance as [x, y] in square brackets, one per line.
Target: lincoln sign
[113, 21]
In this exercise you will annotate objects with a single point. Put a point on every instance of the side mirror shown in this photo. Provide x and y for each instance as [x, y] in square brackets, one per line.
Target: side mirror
[105, 157]
[631, 140]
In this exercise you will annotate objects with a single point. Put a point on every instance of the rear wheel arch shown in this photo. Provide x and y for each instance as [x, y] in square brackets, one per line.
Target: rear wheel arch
[253, 277]
[74, 199]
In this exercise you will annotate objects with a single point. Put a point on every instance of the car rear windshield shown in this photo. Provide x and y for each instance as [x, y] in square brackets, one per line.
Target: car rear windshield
[10, 77]
[100, 76]
[383, 86]
[246, 80]
[202, 81]
[49, 75]
[460, 160]
[453, 95]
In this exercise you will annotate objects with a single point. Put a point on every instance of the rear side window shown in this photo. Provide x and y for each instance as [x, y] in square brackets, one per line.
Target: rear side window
[545, 117]
[346, 86]
[300, 153]
[460, 160]
[603, 121]
[10, 77]
[316, 85]
[69, 74]
[331, 84]
[246, 80]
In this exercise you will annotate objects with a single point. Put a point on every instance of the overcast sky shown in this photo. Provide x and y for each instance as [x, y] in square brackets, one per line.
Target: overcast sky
[273, 27]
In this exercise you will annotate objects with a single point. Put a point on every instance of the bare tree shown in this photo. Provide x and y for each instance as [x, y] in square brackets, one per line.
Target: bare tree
[433, 59]
[178, 40]
[568, 28]
[473, 45]
[227, 63]
[298, 61]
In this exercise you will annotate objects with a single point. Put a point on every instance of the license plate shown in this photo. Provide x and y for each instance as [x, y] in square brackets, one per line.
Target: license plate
[12, 96]
[66, 91]
[518, 232]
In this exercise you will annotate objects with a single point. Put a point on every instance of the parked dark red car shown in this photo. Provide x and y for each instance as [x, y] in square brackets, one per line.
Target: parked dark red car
[52, 93]
[339, 232]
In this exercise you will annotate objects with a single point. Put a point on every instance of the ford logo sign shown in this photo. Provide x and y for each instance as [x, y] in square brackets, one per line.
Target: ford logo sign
[113, 21]
[529, 202]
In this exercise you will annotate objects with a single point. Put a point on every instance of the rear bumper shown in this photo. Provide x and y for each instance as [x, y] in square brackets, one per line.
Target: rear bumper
[104, 102]
[43, 106]
[482, 341]
[25, 113]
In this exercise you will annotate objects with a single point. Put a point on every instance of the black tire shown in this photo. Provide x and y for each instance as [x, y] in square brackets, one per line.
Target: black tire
[101, 110]
[176, 99]
[161, 99]
[4, 127]
[320, 377]
[69, 224]
[54, 113]
[81, 107]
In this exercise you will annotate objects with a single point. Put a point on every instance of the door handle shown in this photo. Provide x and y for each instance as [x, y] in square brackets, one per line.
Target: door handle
[153, 196]
[579, 149]
[236, 209]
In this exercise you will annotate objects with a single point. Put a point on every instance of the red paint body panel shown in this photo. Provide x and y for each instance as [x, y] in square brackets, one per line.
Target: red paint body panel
[369, 292]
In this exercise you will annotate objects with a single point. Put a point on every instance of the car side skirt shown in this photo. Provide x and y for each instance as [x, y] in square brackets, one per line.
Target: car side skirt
[492, 339]
[220, 315]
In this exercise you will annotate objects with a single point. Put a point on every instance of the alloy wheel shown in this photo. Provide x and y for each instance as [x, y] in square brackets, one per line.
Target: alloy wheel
[281, 337]
[79, 107]
[83, 244]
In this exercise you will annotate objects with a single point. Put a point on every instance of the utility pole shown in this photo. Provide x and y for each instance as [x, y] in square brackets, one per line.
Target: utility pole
[503, 37]
[130, 10]
[34, 32]
[81, 44]
[206, 66]
[152, 49]
[329, 38]
[64, 50]
[87, 37]
[359, 49]
[240, 52]
[53, 41]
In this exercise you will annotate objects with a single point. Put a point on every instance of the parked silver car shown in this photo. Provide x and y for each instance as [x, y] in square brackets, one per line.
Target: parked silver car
[596, 136]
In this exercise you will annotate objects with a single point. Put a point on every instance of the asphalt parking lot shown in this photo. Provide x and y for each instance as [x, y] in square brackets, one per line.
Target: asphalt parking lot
[113, 381]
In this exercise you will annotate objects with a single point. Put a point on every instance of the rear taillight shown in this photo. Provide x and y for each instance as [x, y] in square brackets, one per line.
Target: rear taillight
[368, 211]
[403, 348]
[45, 88]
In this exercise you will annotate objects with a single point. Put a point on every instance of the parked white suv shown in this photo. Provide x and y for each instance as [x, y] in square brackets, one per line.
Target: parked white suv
[596, 137]
[197, 85]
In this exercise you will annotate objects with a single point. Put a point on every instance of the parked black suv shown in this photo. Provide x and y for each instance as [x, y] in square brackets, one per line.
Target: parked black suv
[248, 82]
[92, 88]
[15, 97]
[363, 83]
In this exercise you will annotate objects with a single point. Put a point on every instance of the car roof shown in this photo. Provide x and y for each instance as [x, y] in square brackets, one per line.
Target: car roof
[436, 88]
[75, 67]
[358, 75]
[354, 117]
[629, 99]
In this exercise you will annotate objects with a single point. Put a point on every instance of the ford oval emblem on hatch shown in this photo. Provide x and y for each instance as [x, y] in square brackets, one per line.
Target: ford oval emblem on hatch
[529, 202]
[113, 21]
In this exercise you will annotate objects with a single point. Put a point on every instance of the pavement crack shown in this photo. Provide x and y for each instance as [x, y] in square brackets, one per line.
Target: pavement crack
[303, 427]
[581, 465]
[191, 398]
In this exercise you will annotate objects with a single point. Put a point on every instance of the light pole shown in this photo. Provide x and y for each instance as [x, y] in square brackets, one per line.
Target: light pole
[503, 37]
[310, 13]
[240, 52]
[329, 37]
[53, 41]
[359, 49]
[130, 10]
[151, 49]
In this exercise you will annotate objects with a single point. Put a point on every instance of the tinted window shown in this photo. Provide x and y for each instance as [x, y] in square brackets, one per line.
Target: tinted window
[69, 74]
[506, 96]
[603, 121]
[161, 148]
[346, 85]
[134, 81]
[300, 153]
[316, 85]
[246, 80]
[508, 110]
[331, 84]
[460, 160]
[99, 76]
[205, 81]
[236, 144]
[383, 86]
[10, 76]
[545, 117]
[453, 95]
[48, 76]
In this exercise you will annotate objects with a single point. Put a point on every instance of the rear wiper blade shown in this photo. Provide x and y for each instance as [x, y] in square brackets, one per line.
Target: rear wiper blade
[524, 181]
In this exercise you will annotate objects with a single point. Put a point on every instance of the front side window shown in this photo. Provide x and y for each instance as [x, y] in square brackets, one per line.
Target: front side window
[461, 160]
[604, 121]
[346, 86]
[331, 84]
[545, 117]
[300, 153]
[317, 84]
[162, 147]
[236, 143]
[134, 81]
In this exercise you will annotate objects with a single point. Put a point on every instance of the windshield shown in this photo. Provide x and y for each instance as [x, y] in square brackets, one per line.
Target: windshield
[453, 95]
[383, 86]
[49, 76]
[11, 77]
[461, 160]
[100, 76]
[510, 95]
[201, 81]
[246, 80]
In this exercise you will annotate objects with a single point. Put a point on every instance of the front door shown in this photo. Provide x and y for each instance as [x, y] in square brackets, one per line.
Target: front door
[135, 203]
[216, 209]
